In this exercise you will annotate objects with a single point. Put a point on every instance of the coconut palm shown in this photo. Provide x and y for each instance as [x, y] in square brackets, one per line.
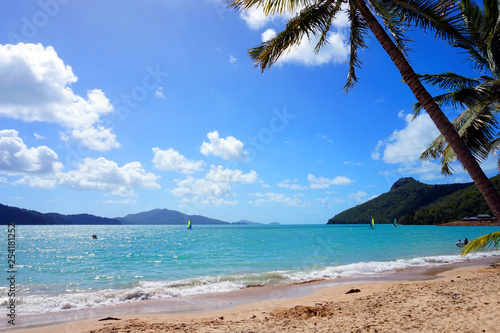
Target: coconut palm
[478, 123]
[316, 17]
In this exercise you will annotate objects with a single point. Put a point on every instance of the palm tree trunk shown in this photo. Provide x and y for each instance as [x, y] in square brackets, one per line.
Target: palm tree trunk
[438, 117]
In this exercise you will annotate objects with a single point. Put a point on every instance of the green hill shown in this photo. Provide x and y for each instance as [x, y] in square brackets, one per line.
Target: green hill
[406, 201]
[453, 207]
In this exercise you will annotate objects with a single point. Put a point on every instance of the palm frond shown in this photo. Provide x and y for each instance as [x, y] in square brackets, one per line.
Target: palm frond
[489, 241]
[393, 23]
[270, 7]
[356, 41]
[449, 81]
[440, 16]
[312, 20]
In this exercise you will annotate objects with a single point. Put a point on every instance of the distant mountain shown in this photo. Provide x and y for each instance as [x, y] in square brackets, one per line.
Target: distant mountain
[166, 216]
[246, 222]
[23, 216]
[405, 197]
[156, 216]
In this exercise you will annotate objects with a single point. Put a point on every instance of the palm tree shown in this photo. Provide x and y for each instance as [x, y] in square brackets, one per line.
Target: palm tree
[316, 17]
[478, 123]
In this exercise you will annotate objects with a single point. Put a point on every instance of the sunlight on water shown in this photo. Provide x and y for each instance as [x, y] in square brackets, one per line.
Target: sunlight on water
[62, 267]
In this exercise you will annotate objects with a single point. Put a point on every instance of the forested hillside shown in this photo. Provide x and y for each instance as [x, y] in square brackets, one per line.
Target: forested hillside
[466, 202]
[23, 216]
[406, 198]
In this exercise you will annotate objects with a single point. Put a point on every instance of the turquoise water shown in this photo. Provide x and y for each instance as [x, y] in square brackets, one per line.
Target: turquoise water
[62, 267]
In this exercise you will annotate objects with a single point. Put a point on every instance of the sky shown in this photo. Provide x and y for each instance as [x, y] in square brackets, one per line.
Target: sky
[117, 107]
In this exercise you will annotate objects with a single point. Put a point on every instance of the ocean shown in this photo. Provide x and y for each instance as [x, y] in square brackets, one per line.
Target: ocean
[62, 268]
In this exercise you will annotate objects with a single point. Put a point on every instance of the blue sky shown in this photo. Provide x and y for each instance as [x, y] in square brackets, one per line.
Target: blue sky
[111, 108]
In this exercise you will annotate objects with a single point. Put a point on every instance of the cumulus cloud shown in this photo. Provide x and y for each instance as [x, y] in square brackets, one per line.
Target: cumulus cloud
[405, 146]
[268, 35]
[171, 160]
[324, 182]
[358, 197]
[215, 188]
[35, 86]
[270, 197]
[256, 18]
[17, 158]
[103, 175]
[98, 175]
[40, 167]
[291, 184]
[230, 148]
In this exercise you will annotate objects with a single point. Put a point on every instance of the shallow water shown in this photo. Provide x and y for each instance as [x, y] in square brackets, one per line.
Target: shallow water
[62, 267]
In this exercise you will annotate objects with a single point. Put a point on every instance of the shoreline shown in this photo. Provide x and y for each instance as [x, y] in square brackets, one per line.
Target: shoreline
[190, 310]
[470, 224]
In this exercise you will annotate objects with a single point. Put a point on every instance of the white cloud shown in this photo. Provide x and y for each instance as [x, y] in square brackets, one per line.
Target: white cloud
[406, 146]
[323, 182]
[215, 188]
[230, 148]
[324, 138]
[45, 183]
[121, 202]
[358, 197]
[255, 17]
[336, 51]
[171, 160]
[220, 175]
[159, 93]
[232, 59]
[98, 175]
[40, 167]
[17, 158]
[291, 184]
[103, 175]
[268, 34]
[38, 136]
[35, 86]
[269, 197]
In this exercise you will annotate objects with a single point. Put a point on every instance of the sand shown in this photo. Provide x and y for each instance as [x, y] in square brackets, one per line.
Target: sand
[466, 299]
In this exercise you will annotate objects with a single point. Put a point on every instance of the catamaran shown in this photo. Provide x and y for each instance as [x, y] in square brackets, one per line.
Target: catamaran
[372, 224]
[190, 227]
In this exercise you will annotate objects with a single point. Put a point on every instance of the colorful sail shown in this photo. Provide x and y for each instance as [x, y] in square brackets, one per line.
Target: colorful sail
[372, 224]
[189, 225]
[395, 223]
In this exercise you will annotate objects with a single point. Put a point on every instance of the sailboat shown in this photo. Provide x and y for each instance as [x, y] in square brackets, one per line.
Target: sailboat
[190, 227]
[372, 224]
[395, 223]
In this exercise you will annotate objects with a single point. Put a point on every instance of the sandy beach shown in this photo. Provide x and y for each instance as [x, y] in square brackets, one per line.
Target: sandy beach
[463, 299]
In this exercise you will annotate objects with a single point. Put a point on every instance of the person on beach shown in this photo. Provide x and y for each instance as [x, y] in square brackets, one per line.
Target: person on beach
[466, 241]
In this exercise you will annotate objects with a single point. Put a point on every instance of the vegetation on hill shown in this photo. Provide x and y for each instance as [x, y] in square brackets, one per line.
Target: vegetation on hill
[404, 202]
[23, 216]
[453, 207]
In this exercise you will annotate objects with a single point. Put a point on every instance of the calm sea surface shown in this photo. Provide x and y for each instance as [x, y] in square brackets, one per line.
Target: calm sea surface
[62, 267]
